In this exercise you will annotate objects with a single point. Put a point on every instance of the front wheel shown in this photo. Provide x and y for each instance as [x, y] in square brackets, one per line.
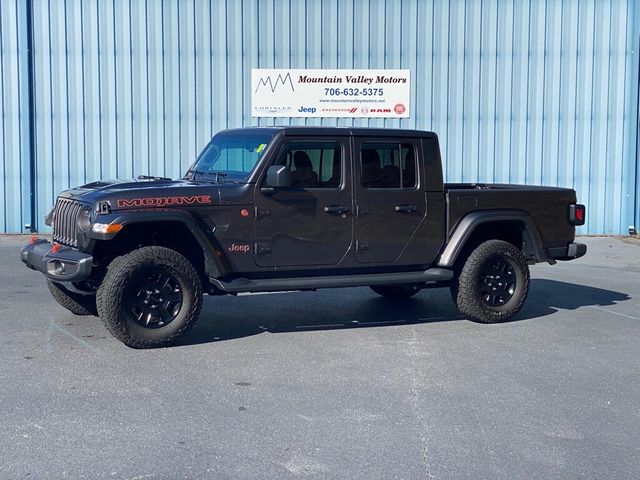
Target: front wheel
[150, 297]
[493, 283]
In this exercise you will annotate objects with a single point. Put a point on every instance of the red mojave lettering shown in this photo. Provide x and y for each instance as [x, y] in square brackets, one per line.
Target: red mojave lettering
[164, 201]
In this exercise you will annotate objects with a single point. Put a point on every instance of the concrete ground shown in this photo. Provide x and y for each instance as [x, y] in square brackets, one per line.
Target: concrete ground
[332, 384]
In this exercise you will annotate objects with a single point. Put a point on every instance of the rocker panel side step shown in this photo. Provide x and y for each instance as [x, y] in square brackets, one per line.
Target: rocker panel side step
[241, 285]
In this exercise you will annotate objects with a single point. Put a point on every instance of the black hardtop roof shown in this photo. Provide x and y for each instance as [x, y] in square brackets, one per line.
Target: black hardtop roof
[314, 130]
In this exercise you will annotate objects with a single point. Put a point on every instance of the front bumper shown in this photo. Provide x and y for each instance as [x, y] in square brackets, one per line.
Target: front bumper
[569, 252]
[64, 265]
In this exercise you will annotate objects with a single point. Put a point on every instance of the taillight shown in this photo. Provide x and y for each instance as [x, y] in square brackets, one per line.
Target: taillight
[577, 214]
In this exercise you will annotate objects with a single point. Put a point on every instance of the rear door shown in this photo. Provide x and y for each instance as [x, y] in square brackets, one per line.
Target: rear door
[309, 223]
[390, 203]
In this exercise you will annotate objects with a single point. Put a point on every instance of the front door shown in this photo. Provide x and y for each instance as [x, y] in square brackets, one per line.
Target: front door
[310, 222]
[390, 203]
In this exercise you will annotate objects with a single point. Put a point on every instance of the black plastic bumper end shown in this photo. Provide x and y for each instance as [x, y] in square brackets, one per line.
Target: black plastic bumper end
[63, 265]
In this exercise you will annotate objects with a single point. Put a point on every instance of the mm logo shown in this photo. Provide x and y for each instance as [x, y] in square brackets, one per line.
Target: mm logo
[280, 80]
[164, 201]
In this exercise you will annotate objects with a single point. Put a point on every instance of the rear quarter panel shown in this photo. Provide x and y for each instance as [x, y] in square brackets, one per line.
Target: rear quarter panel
[547, 207]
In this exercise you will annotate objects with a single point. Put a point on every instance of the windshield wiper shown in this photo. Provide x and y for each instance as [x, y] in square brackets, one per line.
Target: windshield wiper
[193, 172]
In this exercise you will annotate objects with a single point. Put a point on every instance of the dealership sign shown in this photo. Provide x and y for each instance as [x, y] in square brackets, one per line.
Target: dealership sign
[330, 93]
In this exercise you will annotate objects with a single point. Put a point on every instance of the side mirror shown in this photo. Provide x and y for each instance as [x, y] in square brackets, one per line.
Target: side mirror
[278, 176]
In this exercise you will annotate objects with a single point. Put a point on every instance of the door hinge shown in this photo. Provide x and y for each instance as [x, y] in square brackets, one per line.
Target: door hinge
[362, 211]
[362, 246]
[261, 213]
[262, 248]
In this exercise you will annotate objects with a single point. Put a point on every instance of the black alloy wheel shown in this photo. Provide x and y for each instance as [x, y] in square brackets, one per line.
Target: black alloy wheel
[154, 298]
[497, 282]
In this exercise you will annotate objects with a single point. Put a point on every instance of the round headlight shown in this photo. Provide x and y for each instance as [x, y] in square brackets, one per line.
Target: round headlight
[84, 220]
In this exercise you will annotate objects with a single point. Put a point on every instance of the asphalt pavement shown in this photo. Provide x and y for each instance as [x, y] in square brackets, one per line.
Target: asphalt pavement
[332, 384]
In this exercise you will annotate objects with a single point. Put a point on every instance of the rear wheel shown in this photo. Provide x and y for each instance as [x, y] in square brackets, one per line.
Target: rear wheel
[150, 297]
[493, 283]
[395, 292]
[76, 303]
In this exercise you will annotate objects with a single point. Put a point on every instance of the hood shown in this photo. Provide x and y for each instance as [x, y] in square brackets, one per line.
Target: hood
[159, 193]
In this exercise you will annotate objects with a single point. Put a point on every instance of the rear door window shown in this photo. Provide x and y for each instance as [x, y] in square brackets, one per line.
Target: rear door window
[388, 165]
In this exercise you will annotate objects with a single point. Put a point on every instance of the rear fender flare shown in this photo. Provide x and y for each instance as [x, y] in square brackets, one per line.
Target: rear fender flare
[465, 228]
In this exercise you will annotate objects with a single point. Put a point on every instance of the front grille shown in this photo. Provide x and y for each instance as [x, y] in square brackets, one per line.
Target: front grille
[65, 221]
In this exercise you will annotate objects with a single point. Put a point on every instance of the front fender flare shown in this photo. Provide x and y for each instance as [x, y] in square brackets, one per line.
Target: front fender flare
[216, 263]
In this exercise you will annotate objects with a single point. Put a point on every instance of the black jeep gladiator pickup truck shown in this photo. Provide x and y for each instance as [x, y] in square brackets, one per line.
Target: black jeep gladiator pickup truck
[298, 208]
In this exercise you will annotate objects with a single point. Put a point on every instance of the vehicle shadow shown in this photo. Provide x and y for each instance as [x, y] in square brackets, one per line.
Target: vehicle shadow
[227, 318]
[549, 296]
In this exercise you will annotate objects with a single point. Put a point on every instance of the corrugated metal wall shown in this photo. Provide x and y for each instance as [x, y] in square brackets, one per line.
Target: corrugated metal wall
[539, 92]
[14, 121]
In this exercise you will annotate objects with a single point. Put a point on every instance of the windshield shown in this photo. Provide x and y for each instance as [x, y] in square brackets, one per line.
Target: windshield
[230, 156]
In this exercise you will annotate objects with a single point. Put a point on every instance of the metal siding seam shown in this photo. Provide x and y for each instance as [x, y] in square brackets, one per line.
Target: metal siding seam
[195, 84]
[115, 88]
[617, 133]
[511, 116]
[464, 81]
[51, 112]
[575, 116]
[3, 121]
[84, 105]
[23, 12]
[636, 202]
[164, 94]
[447, 97]
[179, 95]
[211, 118]
[560, 91]
[66, 67]
[242, 50]
[132, 103]
[495, 92]
[146, 52]
[544, 92]
[527, 114]
[226, 61]
[433, 56]
[608, 218]
[478, 163]
[593, 76]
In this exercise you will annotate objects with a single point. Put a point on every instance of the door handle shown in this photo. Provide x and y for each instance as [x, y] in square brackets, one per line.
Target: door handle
[406, 208]
[337, 209]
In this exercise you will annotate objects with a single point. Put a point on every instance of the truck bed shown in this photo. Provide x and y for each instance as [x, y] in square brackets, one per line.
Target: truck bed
[543, 204]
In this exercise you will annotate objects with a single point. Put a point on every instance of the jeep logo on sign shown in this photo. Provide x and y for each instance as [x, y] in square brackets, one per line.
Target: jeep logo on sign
[304, 109]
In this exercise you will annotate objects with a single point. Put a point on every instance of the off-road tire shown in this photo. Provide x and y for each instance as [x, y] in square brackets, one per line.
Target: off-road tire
[125, 274]
[395, 292]
[74, 302]
[474, 291]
